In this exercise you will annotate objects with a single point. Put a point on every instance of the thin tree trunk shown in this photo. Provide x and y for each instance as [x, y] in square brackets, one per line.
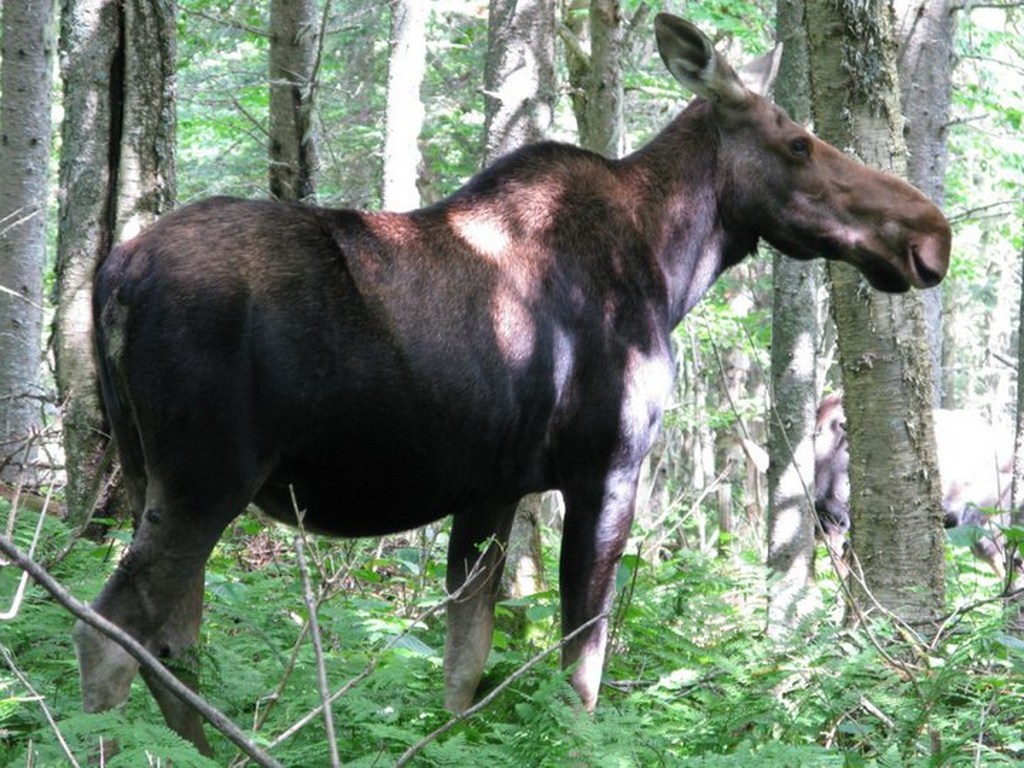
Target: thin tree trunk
[24, 162]
[596, 77]
[519, 85]
[896, 536]
[1015, 619]
[294, 42]
[926, 30]
[404, 117]
[116, 175]
[797, 292]
[519, 76]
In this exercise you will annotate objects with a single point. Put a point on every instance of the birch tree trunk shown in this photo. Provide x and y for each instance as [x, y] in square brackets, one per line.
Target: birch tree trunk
[519, 75]
[116, 176]
[294, 42]
[926, 29]
[404, 113]
[519, 86]
[797, 293]
[24, 161]
[896, 536]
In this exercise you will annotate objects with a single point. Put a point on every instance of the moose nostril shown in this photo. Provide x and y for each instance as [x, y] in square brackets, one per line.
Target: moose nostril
[929, 261]
[928, 276]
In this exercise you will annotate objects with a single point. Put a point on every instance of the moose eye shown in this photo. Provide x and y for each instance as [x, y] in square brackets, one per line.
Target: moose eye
[800, 147]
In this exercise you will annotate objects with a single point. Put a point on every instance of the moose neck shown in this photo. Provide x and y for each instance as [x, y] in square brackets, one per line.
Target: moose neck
[690, 232]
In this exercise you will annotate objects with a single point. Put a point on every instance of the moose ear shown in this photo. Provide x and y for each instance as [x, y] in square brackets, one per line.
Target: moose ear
[759, 74]
[694, 62]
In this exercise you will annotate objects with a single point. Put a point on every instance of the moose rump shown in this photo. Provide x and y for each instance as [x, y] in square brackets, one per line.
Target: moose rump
[376, 371]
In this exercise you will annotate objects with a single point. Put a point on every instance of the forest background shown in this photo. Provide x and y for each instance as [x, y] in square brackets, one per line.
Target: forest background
[694, 675]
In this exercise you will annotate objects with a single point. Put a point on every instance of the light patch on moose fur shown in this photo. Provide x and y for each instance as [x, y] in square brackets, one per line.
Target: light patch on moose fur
[649, 385]
[484, 232]
[514, 327]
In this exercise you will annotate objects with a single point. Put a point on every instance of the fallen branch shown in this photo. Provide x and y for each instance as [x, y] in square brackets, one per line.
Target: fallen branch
[138, 652]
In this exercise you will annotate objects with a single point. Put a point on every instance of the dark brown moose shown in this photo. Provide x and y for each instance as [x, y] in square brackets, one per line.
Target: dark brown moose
[392, 369]
[975, 466]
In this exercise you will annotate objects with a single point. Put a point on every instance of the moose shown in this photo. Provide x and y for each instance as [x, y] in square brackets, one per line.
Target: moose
[975, 468]
[379, 371]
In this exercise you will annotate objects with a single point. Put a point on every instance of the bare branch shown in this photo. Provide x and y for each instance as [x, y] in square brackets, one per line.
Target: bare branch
[969, 5]
[971, 214]
[250, 117]
[314, 637]
[572, 44]
[19, 593]
[231, 23]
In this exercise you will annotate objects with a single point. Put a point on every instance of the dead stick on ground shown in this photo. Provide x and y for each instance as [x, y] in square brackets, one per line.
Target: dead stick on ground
[137, 651]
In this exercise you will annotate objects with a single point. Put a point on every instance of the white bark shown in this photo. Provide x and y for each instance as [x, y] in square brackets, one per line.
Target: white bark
[404, 116]
[24, 161]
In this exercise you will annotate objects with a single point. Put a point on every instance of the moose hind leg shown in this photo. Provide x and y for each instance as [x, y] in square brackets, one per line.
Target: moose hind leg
[473, 578]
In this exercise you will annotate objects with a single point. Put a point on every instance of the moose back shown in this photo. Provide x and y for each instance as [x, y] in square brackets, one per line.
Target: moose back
[385, 370]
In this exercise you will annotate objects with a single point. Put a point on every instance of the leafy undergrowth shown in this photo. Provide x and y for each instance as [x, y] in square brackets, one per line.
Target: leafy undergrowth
[692, 678]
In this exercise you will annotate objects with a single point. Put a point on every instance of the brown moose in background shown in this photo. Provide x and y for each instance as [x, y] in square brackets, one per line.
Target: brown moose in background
[975, 467]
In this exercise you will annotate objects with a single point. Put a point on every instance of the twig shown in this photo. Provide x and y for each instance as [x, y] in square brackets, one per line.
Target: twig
[314, 636]
[498, 689]
[231, 24]
[622, 607]
[314, 74]
[261, 715]
[19, 484]
[138, 652]
[970, 214]
[371, 665]
[19, 593]
[250, 117]
[42, 703]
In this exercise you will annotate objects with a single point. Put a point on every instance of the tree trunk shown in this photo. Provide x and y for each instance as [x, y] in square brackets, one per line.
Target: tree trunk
[116, 175]
[519, 76]
[596, 77]
[24, 161]
[404, 116]
[926, 29]
[1015, 618]
[519, 86]
[896, 536]
[797, 293]
[294, 42]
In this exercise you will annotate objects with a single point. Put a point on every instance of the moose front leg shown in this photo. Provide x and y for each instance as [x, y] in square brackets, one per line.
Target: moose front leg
[474, 575]
[598, 517]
